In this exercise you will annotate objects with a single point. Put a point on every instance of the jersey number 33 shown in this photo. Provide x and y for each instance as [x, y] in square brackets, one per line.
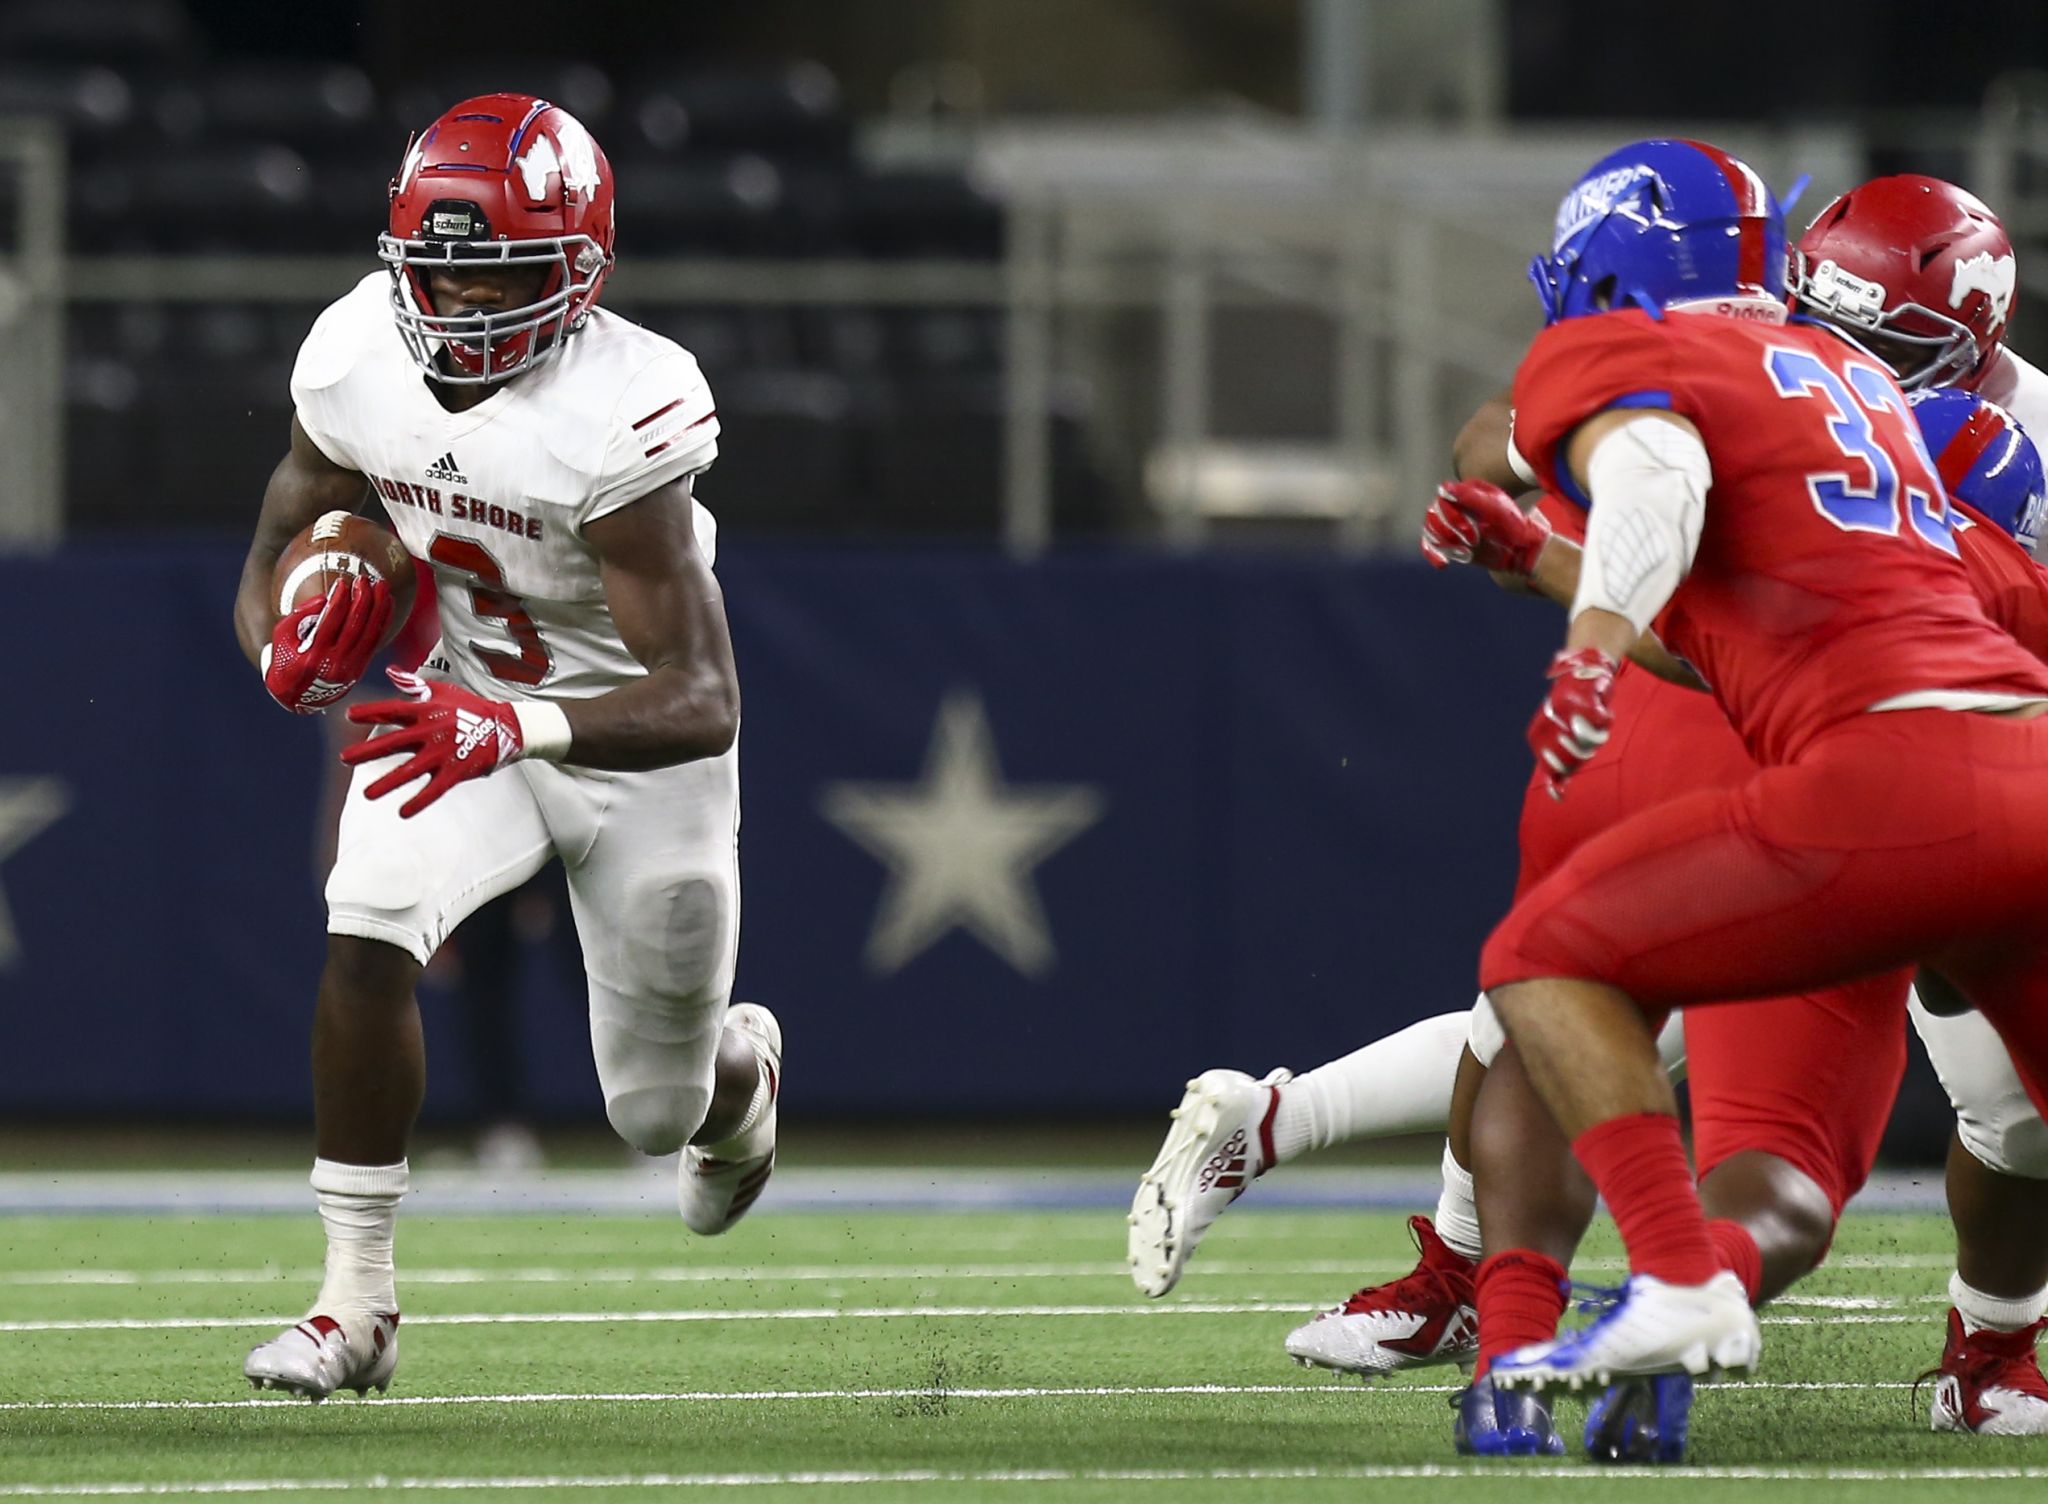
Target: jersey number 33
[1869, 495]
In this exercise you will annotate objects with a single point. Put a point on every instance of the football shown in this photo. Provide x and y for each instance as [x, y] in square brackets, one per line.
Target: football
[338, 544]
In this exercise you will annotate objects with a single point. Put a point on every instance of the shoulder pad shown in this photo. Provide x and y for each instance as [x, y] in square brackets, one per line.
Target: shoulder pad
[607, 367]
[341, 335]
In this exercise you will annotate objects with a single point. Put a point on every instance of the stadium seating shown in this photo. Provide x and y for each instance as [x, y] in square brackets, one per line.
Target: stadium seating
[143, 34]
[789, 112]
[837, 418]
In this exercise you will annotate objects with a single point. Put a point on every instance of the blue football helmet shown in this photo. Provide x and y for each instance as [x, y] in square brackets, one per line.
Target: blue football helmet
[1985, 458]
[1659, 224]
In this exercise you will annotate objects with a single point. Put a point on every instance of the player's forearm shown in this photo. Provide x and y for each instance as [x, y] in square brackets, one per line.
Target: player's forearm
[1556, 575]
[675, 715]
[1612, 634]
[255, 618]
[1556, 578]
[1480, 451]
[303, 486]
[256, 613]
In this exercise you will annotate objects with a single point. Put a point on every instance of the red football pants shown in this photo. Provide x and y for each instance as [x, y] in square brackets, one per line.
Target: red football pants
[1810, 1078]
[1893, 838]
[1819, 1096]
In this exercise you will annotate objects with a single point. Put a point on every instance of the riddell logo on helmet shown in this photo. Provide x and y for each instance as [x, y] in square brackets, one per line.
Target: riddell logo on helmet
[1994, 277]
[1760, 309]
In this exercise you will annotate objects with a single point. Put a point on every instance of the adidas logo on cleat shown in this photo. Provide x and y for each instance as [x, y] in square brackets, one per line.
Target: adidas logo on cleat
[1225, 1170]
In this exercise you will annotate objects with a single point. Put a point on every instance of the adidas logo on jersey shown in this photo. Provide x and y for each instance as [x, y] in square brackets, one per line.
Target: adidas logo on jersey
[446, 469]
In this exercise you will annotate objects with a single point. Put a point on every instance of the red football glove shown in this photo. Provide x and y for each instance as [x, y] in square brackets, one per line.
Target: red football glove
[1575, 719]
[322, 647]
[454, 734]
[1476, 522]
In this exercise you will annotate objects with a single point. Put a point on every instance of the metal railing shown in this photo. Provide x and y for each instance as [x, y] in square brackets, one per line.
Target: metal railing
[32, 290]
[1367, 291]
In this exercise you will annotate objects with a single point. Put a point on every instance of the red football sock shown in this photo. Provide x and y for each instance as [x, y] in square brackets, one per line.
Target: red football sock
[1520, 1296]
[1638, 1162]
[1739, 1254]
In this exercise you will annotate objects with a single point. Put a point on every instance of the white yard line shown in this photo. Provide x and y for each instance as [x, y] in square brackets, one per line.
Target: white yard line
[649, 1190]
[802, 1313]
[1331, 1386]
[741, 1397]
[590, 1318]
[753, 1274]
[688, 1274]
[841, 1478]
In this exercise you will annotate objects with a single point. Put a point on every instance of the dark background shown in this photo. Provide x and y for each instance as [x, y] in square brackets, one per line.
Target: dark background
[1291, 867]
[1567, 59]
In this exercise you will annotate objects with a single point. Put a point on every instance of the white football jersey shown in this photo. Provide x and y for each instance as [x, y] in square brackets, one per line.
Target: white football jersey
[2021, 389]
[495, 498]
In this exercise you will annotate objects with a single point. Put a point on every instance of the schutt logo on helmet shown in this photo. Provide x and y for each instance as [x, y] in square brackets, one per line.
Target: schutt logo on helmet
[512, 181]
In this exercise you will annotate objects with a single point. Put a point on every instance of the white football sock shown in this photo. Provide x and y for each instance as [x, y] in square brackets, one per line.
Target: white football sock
[1980, 1310]
[743, 1143]
[1457, 1211]
[359, 1205]
[1400, 1084]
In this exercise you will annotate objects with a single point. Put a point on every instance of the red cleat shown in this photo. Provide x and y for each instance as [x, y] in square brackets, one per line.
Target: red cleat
[1990, 1383]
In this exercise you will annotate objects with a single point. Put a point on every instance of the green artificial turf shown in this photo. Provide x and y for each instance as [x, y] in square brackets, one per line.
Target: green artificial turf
[874, 1383]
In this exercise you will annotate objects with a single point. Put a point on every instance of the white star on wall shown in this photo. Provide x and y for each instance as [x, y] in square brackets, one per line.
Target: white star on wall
[961, 845]
[28, 807]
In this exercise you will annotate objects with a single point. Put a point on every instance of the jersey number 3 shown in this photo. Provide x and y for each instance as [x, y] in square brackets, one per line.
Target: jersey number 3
[1866, 502]
[492, 601]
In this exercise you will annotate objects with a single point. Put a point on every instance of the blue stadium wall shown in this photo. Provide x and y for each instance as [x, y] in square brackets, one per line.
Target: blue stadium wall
[1226, 810]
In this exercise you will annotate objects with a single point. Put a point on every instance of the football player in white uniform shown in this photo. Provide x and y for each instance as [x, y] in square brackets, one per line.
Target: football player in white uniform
[1924, 275]
[539, 453]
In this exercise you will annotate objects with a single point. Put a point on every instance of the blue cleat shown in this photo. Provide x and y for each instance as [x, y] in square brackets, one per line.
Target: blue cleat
[1502, 1423]
[1641, 1420]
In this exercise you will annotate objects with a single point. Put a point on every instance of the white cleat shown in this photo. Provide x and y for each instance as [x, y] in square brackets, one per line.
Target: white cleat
[1654, 1328]
[1220, 1142]
[716, 1191]
[325, 1353]
[1426, 1317]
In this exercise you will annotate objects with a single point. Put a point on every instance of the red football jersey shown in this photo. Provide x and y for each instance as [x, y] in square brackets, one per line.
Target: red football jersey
[1827, 577]
[2013, 588]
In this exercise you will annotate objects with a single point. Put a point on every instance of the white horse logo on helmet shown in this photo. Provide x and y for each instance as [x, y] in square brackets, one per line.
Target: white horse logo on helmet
[1992, 276]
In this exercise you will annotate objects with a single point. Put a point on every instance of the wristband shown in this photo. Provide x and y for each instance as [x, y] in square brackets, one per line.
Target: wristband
[1524, 471]
[543, 729]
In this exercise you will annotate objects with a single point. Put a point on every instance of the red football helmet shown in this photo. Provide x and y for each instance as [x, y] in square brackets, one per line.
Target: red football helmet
[514, 181]
[1920, 266]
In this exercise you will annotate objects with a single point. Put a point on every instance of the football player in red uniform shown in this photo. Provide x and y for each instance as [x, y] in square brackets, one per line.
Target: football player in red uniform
[1781, 1143]
[1820, 594]
[1771, 1127]
[1922, 273]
